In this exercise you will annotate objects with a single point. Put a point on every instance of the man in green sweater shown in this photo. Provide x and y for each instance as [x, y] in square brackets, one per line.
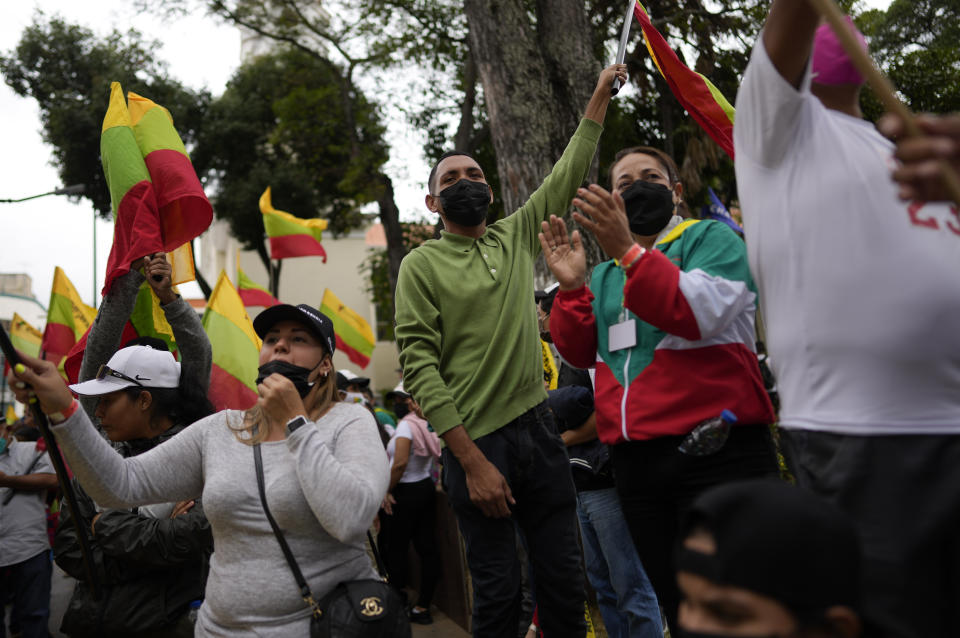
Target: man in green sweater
[470, 351]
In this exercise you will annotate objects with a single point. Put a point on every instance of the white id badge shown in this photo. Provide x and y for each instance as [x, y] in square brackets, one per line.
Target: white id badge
[622, 335]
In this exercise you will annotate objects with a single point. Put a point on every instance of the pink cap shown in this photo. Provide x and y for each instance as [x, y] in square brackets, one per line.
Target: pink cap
[831, 65]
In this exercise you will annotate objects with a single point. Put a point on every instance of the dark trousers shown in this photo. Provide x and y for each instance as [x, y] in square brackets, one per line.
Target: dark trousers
[904, 494]
[413, 519]
[530, 455]
[657, 484]
[29, 583]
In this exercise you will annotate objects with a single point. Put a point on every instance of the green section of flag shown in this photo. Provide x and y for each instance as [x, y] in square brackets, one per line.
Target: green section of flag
[123, 165]
[155, 132]
[232, 349]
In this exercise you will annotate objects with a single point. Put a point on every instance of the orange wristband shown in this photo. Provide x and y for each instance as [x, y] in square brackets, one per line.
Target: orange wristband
[60, 417]
[631, 256]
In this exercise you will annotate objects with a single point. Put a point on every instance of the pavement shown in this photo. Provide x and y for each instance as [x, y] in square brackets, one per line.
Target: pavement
[442, 627]
[62, 588]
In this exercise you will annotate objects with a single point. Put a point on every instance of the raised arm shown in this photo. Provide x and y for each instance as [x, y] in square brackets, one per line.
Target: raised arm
[573, 326]
[788, 37]
[196, 355]
[345, 480]
[172, 471]
[107, 329]
[553, 196]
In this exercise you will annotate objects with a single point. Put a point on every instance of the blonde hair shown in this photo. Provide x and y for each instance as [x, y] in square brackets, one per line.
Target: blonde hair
[321, 397]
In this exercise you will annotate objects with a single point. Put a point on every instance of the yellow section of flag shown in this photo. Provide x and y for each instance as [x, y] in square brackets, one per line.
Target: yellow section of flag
[266, 207]
[347, 316]
[25, 337]
[117, 112]
[225, 301]
[181, 261]
[81, 313]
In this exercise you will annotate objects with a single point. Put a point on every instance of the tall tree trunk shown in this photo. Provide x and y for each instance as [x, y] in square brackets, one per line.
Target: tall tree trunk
[537, 79]
[520, 100]
[390, 218]
[464, 135]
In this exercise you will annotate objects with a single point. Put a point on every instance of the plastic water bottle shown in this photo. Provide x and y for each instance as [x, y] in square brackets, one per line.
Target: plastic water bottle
[709, 436]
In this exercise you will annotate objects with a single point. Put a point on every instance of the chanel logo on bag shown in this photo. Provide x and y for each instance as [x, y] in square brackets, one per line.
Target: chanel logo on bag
[371, 606]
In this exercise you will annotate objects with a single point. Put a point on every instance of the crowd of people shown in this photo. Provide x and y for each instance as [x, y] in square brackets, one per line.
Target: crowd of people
[646, 467]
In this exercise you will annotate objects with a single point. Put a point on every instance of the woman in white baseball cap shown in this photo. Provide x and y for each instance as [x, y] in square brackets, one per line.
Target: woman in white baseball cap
[314, 462]
[139, 405]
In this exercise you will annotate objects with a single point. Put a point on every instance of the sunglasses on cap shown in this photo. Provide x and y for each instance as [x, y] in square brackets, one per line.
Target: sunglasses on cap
[106, 371]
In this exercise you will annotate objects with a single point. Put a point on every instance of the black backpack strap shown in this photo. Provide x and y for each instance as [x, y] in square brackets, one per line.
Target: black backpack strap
[305, 592]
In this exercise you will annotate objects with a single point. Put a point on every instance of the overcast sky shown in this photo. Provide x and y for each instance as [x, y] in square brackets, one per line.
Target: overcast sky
[51, 231]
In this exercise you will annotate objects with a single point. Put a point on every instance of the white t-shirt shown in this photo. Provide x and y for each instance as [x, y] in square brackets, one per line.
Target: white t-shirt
[418, 467]
[860, 291]
[23, 521]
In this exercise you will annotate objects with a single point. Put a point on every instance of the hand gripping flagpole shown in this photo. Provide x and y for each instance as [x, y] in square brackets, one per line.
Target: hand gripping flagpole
[61, 469]
[622, 49]
[880, 84]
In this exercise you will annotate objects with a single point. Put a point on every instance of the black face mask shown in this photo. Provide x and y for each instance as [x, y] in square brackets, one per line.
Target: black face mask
[649, 207]
[299, 375]
[466, 202]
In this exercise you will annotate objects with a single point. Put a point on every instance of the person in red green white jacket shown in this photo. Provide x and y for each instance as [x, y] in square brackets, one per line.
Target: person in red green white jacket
[669, 326]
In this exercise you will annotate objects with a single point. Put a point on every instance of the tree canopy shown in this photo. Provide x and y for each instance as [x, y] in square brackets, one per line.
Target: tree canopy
[68, 69]
[281, 123]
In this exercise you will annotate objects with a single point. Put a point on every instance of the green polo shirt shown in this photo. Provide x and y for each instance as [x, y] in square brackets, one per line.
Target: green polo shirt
[466, 321]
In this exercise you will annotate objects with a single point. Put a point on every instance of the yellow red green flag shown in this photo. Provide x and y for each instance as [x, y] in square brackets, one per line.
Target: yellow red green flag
[25, 337]
[236, 348]
[67, 319]
[354, 335]
[291, 236]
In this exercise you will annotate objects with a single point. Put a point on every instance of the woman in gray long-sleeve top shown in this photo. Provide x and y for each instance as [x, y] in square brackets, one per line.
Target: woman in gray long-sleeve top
[325, 473]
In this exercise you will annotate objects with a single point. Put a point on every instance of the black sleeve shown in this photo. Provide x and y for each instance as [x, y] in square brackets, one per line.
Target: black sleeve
[154, 542]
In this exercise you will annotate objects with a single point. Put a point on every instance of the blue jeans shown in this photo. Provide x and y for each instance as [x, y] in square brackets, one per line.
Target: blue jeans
[624, 593]
[29, 581]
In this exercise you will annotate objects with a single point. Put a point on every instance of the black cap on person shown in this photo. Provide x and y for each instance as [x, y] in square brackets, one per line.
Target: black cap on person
[319, 323]
[777, 540]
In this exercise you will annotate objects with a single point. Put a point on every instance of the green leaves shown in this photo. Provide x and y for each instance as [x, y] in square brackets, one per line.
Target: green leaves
[67, 69]
[285, 121]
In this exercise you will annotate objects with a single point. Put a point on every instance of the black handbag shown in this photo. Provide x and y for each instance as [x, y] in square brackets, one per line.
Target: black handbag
[367, 608]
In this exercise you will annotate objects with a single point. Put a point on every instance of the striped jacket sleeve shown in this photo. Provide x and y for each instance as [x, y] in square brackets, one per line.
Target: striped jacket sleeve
[705, 297]
[574, 328]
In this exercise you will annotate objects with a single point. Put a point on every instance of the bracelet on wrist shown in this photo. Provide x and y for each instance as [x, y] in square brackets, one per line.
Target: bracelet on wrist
[631, 256]
[63, 415]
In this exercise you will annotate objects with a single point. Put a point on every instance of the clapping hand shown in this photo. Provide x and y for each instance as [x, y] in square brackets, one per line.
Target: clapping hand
[565, 255]
[604, 215]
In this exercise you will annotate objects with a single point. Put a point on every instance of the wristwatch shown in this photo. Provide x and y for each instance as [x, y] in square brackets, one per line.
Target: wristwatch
[295, 423]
